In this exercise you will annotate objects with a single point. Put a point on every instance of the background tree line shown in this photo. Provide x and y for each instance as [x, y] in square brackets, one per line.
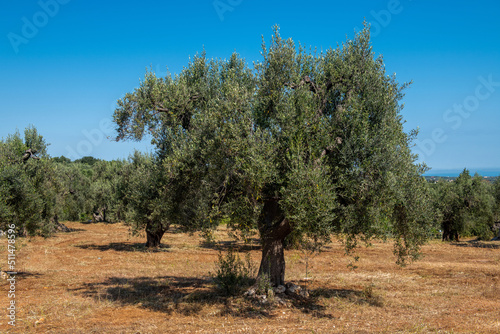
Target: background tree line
[467, 206]
[37, 193]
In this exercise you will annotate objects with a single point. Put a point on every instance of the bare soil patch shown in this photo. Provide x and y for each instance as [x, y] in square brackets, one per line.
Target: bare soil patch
[100, 279]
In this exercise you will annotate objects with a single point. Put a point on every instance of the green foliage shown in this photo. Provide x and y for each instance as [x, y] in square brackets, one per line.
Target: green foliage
[61, 159]
[20, 203]
[103, 193]
[309, 198]
[483, 208]
[90, 185]
[231, 273]
[264, 286]
[36, 193]
[87, 160]
[495, 188]
[75, 202]
[35, 141]
[13, 148]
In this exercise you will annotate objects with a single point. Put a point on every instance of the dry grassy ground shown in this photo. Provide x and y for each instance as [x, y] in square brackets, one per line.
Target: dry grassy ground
[99, 279]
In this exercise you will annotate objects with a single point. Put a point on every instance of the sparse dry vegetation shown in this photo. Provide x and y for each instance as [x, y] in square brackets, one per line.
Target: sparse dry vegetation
[100, 279]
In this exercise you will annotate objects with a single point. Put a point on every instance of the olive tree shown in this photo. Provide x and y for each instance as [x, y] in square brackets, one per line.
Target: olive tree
[142, 193]
[305, 144]
[102, 191]
[28, 184]
[74, 197]
[466, 206]
[483, 210]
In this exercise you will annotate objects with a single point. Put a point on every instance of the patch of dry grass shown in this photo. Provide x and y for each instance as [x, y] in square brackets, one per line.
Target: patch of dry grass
[100, 279]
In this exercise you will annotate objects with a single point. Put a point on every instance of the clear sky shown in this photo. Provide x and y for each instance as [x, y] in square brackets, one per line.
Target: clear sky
[64, 63]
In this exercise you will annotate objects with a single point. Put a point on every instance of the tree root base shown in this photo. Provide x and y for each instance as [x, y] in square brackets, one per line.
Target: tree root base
[277, 295]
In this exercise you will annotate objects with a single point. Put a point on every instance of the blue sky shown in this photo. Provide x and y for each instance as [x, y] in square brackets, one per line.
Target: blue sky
[64, 63]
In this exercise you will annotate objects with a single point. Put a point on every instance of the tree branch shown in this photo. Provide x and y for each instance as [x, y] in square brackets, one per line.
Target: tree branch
[29, 153]
[306, 80]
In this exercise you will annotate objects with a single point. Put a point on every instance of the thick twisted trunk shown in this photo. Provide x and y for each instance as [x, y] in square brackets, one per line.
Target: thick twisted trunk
[274, 228]
[154, 233]
[449, 233]
[496, 229]
[99, 216]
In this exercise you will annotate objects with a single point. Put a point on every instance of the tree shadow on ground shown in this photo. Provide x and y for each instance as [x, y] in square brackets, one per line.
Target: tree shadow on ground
[166, 294]
[238, 246]
[189, 296]
[365, 296]
[477, 244]
[19, 274]
[88, 222]
[75, 230]
[124, 247]
[232, 245]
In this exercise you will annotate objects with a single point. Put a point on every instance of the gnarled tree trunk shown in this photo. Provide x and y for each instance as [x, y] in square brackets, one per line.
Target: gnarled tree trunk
[99, 216]
[449, 233]
[154, 233]
[59, 226]
[274, 228]
[496, 229]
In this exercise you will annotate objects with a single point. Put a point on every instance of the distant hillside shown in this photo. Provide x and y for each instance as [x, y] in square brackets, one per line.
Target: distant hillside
[489, 172]
[435, 178]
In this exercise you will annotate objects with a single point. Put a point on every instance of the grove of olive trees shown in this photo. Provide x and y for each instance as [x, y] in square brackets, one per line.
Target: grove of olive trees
[303, 146]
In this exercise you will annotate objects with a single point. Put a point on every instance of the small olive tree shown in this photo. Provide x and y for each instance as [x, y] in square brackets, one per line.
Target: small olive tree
[142, 191]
